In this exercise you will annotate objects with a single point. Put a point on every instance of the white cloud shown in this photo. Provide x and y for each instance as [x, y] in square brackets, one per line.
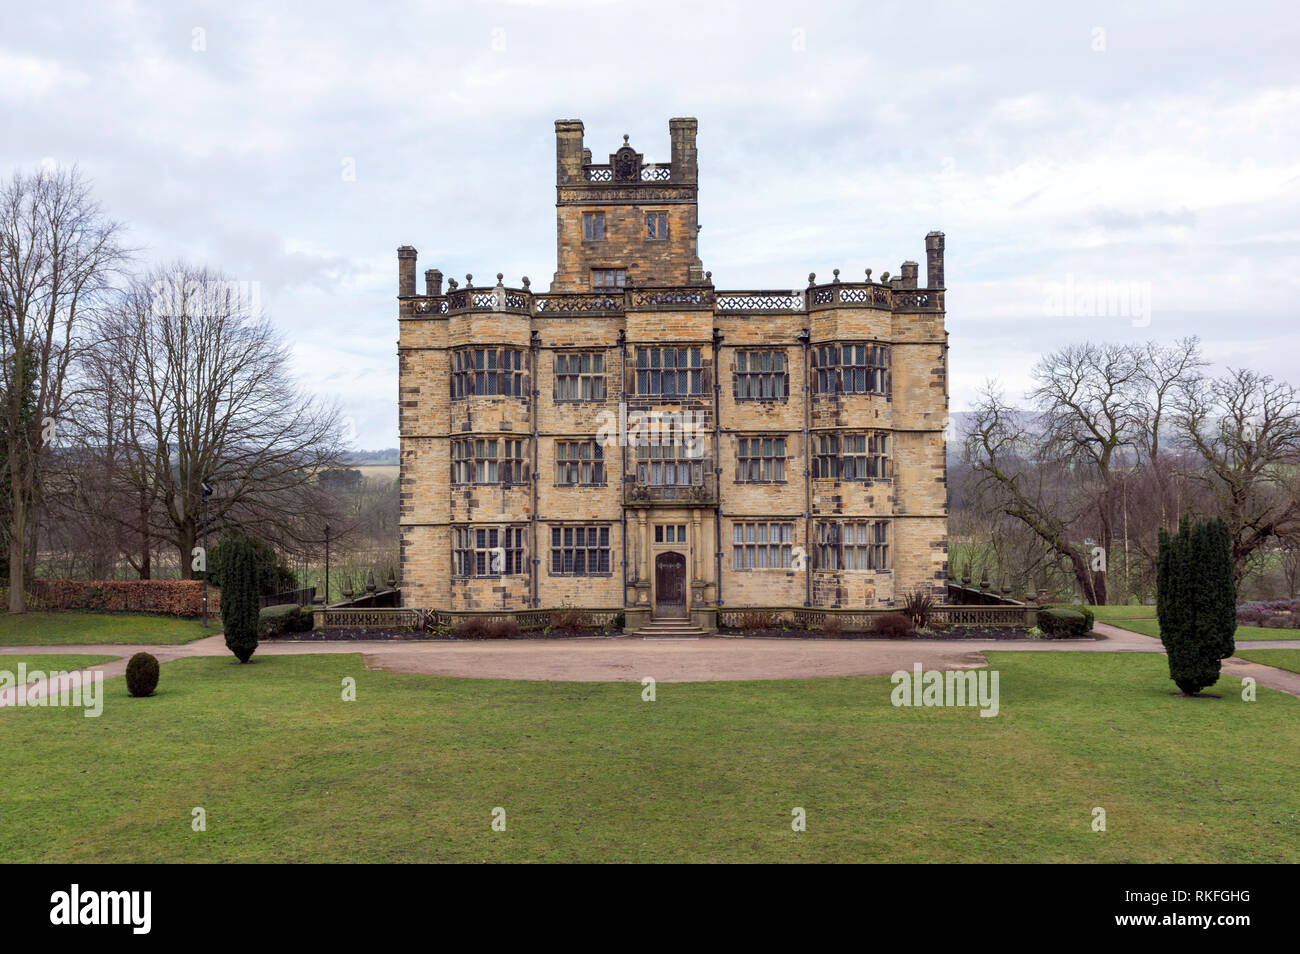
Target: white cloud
[1170, 158]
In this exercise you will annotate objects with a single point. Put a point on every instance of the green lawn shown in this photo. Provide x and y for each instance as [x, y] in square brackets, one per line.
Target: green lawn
[1151, 627]
[63, 629]
[1281, 658]
[51, 662]
[411, 771]
[1109, 613]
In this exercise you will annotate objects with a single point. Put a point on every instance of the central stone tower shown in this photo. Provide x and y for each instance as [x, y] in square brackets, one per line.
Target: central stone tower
[627, 222]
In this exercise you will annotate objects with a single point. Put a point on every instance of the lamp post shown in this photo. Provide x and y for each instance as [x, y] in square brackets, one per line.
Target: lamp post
[205, 492]
[327, 565]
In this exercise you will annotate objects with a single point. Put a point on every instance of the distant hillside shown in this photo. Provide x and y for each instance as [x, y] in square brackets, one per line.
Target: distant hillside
[382, 458]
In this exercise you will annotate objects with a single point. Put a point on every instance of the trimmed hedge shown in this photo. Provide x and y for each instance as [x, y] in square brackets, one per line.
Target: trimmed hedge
[1065, 620]
[171, 597]
[288, 618]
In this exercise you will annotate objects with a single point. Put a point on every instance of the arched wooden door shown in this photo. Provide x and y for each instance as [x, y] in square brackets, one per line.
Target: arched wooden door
[670, 585]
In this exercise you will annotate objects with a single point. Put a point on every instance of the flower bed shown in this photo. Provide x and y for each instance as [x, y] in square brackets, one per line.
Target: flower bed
[954, 634]
[1271, 614]
[414, 635]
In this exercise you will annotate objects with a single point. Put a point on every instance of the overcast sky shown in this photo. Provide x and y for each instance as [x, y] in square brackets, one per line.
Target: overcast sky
[1149, 146]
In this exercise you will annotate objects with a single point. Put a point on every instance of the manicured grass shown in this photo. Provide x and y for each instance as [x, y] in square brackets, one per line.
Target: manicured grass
[1109, 613]
[1281, 658]
[1151, 627]
[412, 770]
[62, 629]
[51, 662]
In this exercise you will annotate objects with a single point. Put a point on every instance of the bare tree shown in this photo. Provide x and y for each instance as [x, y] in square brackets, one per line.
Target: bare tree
[1245, 427]
[212, 401]
[1164, 372]
[57, 256]
[1087, 397]
[1012, 464]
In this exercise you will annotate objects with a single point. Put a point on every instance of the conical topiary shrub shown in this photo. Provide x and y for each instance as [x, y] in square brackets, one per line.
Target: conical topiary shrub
[239, 596]
[1196, 602]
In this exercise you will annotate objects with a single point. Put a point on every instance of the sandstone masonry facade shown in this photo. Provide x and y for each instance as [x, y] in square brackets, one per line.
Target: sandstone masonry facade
[635, 438]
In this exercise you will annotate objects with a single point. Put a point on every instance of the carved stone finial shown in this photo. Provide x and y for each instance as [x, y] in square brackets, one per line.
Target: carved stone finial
[708, 277]
[625, 139]
[452, 284]
[625, 165]
[812, 277]
[500, 276]
[469, 281]
[837, 274]
[868, 274]
[884, 276]
[525, 282]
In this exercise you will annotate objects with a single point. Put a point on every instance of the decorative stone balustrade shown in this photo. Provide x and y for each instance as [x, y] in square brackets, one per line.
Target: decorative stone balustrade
[522, 301]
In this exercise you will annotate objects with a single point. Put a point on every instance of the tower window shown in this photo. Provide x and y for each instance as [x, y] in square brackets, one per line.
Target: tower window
[608, 277]
[656, 226]
[593, 225]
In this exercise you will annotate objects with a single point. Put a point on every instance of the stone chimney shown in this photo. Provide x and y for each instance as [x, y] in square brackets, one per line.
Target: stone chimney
[909, 274]
[685, 162]
[568, 151]
[934, 260]
[433, 283]
[406, 271]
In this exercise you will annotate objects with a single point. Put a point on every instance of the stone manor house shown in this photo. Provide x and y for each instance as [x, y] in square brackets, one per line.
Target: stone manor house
[635, 439]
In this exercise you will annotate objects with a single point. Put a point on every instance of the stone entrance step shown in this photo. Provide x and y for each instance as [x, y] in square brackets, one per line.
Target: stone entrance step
[670, 629]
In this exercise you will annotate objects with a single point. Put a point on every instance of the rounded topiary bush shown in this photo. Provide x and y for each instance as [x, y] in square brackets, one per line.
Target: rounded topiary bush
[141, 675]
